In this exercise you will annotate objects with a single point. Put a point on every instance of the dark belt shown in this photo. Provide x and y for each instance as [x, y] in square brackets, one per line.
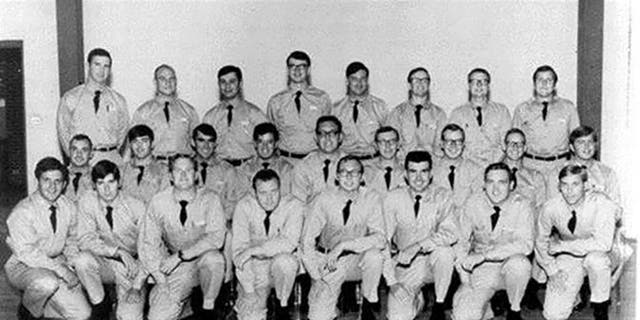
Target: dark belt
[163, 157]
[105, 149]
[367, 157]
[343, 254]
[565, 155]
[293, 154]
[237, 162]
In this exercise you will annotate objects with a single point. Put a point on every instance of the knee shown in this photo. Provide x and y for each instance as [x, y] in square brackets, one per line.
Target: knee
[83, 313]
[212, 259]
[518, 265]
[372, 257]
[48, 283]
[286, 263]
[597, 260]
[85, 261]
[443, 255]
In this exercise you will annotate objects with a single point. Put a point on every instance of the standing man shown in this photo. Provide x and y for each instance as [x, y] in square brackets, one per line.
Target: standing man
[418, 119]
[43, 242]
[266, 232]
[485, 122]
[496, 237]
[234, 118]
[96, 110]
[80, 153]
[422, 228]
[360, 112]
[296, 109]
[180, 242]
[386, 172]
[171, 118]
[546, 120]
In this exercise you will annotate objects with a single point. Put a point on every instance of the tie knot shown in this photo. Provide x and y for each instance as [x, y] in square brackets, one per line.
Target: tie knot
[98, 93]
[419, 107]
[573, 212]
[229, 107]
[327, 161]
[166, 104]
[268, 212]
[452, 168]
[184, 203]
[388, 169]
[496, 209]
[418, 198]
[349, 202]
[53, 209]
[141, 168]
[109, 209]
[514, 170]
[78, 175]
[298, 94]
[265, 165]
[355, 103]
[479, 109]
[545, 103]
[204, 164]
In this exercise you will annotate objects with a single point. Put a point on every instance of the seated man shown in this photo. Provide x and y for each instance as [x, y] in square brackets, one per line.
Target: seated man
[80, 151]
[349, 224]
[108, 225]
[585, 222]
[180, 241]
[42, 238]
[385, 172]
[266, 232]
[421, 225]
[527, 181]
[143, 176]
[497, 231]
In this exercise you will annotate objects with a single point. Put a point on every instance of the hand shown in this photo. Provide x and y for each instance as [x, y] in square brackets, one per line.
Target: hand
[159, 278]
[401, 292]
[332, 257]
[243, 258]
[406, 255]
[555, 247]
[68, 277]
[470, 261]
[465, 276]
[139, 280]
[558, 281]
[129, 262]
[170, 263]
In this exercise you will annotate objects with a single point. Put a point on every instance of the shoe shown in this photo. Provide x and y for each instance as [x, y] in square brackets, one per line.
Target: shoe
[601, 310]
[437, 312]
[513, 315]
[530, 299]
[369, 310]
[500, 303]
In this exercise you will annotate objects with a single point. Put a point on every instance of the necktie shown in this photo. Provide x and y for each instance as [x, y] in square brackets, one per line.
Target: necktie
[265, 165]
[515, 180]
[266, 221]
[53, 218]
[572, 222]
[346, 211]
[166, 111]
[479, 116]
[75, 181]
[545, 109]
[229, 115]
[355, 111]
[451, 176]
[140, 174]
[418, 108]
[416, 205]
[387, 176]
[109, 216]
[183, 211]
[325, 169]
[203, 172]
[296, 99]
[96, 100]
[494, 217]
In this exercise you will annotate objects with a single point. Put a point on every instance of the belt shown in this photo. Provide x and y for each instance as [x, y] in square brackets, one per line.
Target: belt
[366, 157]
[237, 162]
[293, 154]
[163, 157]
[105, 149]
[343, 254]
[550, 158]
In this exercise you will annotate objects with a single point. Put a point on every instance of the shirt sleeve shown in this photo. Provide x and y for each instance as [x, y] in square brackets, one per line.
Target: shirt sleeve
[299, 183]
[520, 241]
[445, 234]
[312, 227]
[545, 224]
[123, 116]
[574, 118]
[375, 237]
[64, 124]
[88, 232]
[214, 236]
[465, 227]
[151, 248]
[241, 239]
[389, 214]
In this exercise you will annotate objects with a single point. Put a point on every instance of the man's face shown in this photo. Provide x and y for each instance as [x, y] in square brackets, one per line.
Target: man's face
[515, 146]
[205, 145]
[387, 144]
[358, 83]
[478, 84]
[584, 147]
[166, 82]
[298, 70]
[229, 86]
[99, 69]
[349, 175]
[81, 153]
[183, 174]
[107, 188]
[265, 146]
[544, 85]
[418, 175]
[572, 188]
[497, 186]
[50, 185]
[419, 84]
[453, 144]
[328, 138]
[268, 194]
[141, 147]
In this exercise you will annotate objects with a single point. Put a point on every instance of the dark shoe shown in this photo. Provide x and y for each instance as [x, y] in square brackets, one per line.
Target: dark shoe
[24, 314]
[500, 303]
[513, 315]
[530, 299]
[282, 313]
[437, 312]
[369, 310]
[101, 310]
[601, 310]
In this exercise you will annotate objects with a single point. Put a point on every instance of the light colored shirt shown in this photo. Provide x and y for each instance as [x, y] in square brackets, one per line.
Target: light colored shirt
[427, 135]
[297, 130]
[550, 137]
[531, 184]
[374, 176]
[222, 178]
[76, 114]
[468, 177]
[308, 175]
[359, 136]
[235, 141]
[84, 183]
[155, 177]
[169, 137]
[281, 166]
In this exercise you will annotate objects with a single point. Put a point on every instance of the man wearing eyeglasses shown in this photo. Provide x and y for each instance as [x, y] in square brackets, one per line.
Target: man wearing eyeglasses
[386, 172]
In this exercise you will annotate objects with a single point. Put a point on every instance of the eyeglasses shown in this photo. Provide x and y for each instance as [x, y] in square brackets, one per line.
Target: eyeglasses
[298, 66]
[512, 144]
[453, 142]
[349, 173]
[327, 134]
[415, 79]
[388, 142]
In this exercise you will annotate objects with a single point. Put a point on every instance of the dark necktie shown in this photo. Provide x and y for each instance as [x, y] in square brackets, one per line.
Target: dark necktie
[229, 115]
[515, 180]
[53, 218]
[325, 169]
[494, 217]
[265, 165]
[572, 222]
[416, 205]
[109, 216]
[140, 174]
[346, 211]
[267, 222]
[545, 109]
[387, 176]
[75, 181]
[418, 108]
[355, 111]
[203, 172]
[166, 111]
[183, 211]
[479, 116]
[296, 99]
[451, 176]
[96, 100]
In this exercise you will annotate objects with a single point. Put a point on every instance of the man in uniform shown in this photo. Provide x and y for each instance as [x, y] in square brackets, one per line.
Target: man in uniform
[179, 245]
[43, 241]
[234, 118]
[418, 119]
[496, 237]
[585, 222]
[349, 224]
[296, 109]
[108, 226]
[422, 228]
[96, 110]
[266, 232]
[484, 121]
[385, 172]
[360, 112]
[171, 118]
[80, 153]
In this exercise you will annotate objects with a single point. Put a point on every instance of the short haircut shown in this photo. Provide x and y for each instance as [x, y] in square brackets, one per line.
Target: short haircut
[515, 131]
[299, 55]
[356, 66]
[229, 69]
[51, 164]
[497, 167]
[573, 169]
[582, 131]
[81, 137]
[160, 67]
[139, 130]
[102, 169]
[452, 127]
[206, 129]
[418, 69]
[98, 52]
[264, 175]
[479, 70]
[386, 129]
[418, 156]
[264, 128]
[349, 158]
[545, 68]
[174, 158]
[329, 118]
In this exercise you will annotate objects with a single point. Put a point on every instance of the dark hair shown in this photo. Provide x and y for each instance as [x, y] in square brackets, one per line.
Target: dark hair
[573, 169]
[206, 129]
[356, 66]
[264, 128]
[349, 158]
[229, 69]
[160, 67]
[545, 68]
[385, 129]
[139, 130]
[582, 131]
[330, 118]
[418, 156]
[452, 127]
[81, 137]
[515, 131]
[103, 168]
[174, 158]
[298, 55]
[479, 70]
[497, 167]
[418, 69]
[51, 164]
[98, 52]
[265, 175]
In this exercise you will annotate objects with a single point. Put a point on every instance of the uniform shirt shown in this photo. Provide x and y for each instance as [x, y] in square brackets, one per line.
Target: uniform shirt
[365, 226]
[94, 231]
[513, 233]
[308, 175]
[285, 226]
[84, 183]
[467, 177]
[169, 137]
[531, 184]
[433, 226]
[76, 114]
[297, 130]
[162, 232]
[594, 230]
[425, 137]
[235, 141]
[374, 176]
[222, 179]
[155, 177]
[550, 137]
[483, 144]
[359, 136]
[31, 236]
[601, 178]
[282, 167]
